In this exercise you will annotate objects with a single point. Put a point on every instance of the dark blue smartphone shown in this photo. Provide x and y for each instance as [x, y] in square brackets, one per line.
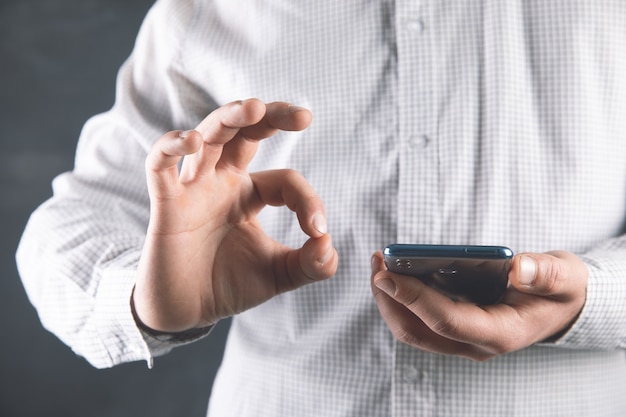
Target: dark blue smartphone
[475, 274]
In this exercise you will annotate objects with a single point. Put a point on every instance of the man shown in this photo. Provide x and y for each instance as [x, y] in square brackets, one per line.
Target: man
[429, 122]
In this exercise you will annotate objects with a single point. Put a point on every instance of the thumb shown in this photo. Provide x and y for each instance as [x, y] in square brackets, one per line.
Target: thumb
[548, 274]
[316, 260]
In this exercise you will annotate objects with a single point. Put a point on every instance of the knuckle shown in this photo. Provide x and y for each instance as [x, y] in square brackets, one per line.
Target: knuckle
[508, 341]
[502, 347]
[290, 175]
[149, 162]
[446, 325]
[405, 334]
[410, 298]
[154, 163]
[553, 274]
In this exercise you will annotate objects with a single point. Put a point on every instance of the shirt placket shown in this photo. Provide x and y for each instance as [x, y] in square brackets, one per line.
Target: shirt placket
[418, 200]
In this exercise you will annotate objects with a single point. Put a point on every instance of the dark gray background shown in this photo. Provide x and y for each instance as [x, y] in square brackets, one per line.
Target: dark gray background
[58, 61]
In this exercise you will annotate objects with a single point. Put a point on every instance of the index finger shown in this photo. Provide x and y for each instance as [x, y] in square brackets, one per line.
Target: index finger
[460, 321]
[239, 151]
[222, 124]
[289, 188]
[231, 133]
[218, 128]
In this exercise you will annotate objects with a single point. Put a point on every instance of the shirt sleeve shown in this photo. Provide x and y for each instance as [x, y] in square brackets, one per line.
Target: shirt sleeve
[79, 252]
[601, 324]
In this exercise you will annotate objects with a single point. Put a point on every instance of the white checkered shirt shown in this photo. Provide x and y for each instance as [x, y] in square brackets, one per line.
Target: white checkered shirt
[493, 122]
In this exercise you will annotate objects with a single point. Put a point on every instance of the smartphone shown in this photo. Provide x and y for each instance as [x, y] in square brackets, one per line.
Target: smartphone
[475, 274]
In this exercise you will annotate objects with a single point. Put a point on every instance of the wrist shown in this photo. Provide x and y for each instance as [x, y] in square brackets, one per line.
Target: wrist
[182, 336]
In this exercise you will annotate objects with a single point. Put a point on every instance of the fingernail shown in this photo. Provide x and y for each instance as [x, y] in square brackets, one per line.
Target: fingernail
[527, 271]
[294, 109]
[184, 134]
[327, 256]
[375, 263]
[319, 223]
[387, 285]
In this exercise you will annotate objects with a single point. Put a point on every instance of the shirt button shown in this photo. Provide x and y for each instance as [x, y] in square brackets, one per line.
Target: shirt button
[415, 25]
[419, 141]
[411, 375]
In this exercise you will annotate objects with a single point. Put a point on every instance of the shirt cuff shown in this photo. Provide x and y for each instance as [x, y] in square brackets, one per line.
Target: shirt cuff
[118, 330]
[601, 324]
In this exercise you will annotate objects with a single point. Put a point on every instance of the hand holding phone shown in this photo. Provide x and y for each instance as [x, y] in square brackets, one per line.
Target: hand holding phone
[476, 274]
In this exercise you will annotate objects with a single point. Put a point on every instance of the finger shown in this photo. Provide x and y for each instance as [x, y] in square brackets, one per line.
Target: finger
[460, 321]
[291, 189]
[410, 329]
[556, 274]
[221, 125]
[279, 116]
[316, 260]
[162, 160]
[241, 149]
[218, 128]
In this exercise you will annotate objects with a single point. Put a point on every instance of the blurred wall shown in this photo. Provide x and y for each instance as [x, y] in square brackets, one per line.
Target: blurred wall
[58, 61]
